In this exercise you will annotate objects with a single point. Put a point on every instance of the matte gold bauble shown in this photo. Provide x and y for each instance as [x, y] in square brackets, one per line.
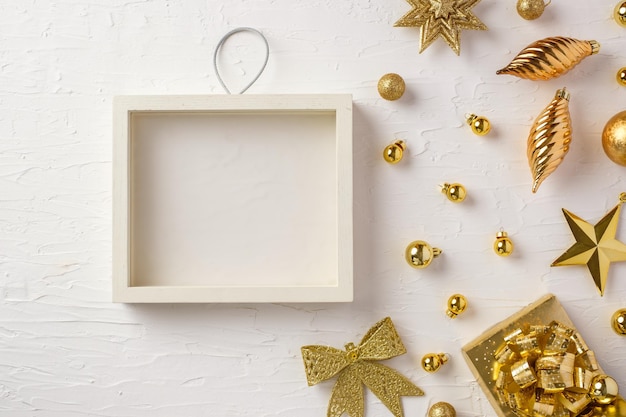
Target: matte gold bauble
[394, 152]
[454, 192]
[442, 409]
[480, 125]
[621, 76]
[531, 9]
[420, 254]
[457, 304]
[620, 13]
[391, 86]
[604, 390]
[614, 138]
[432, 362]
[503, 246]
[618, 321]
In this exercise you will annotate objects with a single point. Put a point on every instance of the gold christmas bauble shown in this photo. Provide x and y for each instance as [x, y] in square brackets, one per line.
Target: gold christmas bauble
[456, 305]
[531, 9]
[614, 138]
[420, 254]
[620, 13]
[603, 390]
[391, 86]
[432, 362]
[621, 76]
[394, 152]
[618, 321]
[480, 125]
[454, 192]
[503, 246]
[442, 409]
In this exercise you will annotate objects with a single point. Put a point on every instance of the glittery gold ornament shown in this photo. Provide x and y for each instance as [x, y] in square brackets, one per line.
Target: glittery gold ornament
[443, 18]
[457, 304]
[503, 246]
[391, 86]
[531, 9]
[550, 58]
[454, 192]
[618, 322]
[442, 409]
[432, 362]
[620, 13]
[394, 152]
[480, 125]
[420, 254]
[549, 138]
[596, 246]
[614, 138]
[358, 366]
[621, 76]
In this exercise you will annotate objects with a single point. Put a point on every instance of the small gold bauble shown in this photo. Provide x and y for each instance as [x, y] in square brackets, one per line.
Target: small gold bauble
[531, 9]
[480, 125]
[432, 362]
[442, 409]
[614, 138]
[394, 152]
[456, 305]
[618, 321]
[603, 390]
[420, 254]
[455, 192]
[503, 246]
[391, 86]
[621, 76]
[620, 13]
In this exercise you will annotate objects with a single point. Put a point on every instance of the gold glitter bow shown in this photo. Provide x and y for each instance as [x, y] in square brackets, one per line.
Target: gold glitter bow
[356, 367]
[549, 371]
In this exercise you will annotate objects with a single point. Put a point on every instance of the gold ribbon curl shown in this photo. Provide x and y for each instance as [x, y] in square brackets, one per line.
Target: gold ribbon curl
[545, 371]
[356, 367]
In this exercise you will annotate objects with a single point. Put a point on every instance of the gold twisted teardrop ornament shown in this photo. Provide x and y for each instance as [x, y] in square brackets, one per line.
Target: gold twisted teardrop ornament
[531, 9]
[549, 138]
[549, 58]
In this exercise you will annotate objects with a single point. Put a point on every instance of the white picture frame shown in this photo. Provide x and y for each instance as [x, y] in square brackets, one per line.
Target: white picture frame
[190, 173]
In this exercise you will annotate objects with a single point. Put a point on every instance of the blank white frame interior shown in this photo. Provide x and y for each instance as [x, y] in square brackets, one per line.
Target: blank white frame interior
[232, 198]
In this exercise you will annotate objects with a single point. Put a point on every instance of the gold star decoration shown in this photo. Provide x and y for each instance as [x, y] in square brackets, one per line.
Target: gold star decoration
[595, 245]
[443, 18]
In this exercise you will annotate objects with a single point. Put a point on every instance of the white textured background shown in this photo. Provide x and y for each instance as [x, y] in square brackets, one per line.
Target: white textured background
[65, 350]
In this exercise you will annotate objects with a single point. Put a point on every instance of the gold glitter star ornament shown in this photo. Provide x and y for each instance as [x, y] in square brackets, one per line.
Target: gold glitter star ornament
[357, 366]
[596, 246]
[441, 18]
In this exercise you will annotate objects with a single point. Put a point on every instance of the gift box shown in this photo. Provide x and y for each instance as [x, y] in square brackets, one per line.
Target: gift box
[535, 364]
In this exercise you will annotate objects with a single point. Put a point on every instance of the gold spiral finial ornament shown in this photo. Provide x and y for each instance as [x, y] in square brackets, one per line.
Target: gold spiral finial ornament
[549, 138]
[550, 58]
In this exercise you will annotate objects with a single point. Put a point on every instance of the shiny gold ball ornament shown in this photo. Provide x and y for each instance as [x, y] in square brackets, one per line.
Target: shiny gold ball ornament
[457, 304]
[503, 246]
[442, 409]
[432, 362]
[391, 86]
[480, 125]
[618, 321]
[621, 76]
[394, 152]
[420, 254]
[531, 9]
[603, 390]
[455, 192]
[614, 138]
[620, 13]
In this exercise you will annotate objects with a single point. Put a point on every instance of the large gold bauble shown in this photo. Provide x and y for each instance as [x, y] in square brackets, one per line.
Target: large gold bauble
[604, 390]
[391, 86]
[420, 254]
[442, 409]
[618, 321]
[614, 138]
[620, 13]
[531, 9]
